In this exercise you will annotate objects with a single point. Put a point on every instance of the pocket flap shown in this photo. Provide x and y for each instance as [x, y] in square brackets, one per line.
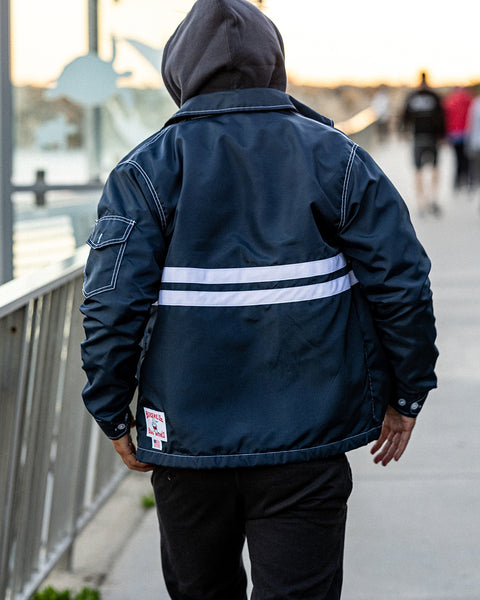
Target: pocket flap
[109, 230]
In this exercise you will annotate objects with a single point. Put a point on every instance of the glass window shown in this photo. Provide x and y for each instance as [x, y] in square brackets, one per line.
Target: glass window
[87, 88]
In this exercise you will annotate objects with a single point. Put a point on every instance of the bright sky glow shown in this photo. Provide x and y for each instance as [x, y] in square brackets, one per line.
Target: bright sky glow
[329, 43]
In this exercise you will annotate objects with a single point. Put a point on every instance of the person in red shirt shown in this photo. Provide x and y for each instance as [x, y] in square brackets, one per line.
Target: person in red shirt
[456, 105]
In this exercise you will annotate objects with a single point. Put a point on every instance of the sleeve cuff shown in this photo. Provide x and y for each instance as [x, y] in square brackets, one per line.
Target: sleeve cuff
[118, 428]
[409, 407]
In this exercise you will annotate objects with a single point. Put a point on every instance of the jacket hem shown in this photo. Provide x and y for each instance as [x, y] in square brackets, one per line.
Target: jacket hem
[222, 461]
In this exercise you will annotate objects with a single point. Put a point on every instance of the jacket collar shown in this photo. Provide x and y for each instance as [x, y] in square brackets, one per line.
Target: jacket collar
[243, 100]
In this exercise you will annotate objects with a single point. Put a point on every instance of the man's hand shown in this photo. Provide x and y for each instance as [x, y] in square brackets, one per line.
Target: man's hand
[126, 448]
[394, 437]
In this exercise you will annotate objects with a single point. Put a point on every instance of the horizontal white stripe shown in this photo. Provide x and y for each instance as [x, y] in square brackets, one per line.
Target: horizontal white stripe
[254, 274]
[256, 297]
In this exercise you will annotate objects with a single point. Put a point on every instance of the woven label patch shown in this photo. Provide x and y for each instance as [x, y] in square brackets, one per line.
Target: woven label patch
[156, 427]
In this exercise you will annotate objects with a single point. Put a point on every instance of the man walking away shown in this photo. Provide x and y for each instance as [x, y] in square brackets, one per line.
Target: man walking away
[270, 272]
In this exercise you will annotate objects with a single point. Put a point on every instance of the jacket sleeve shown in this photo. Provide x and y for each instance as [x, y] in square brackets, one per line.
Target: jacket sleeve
[122, 279]
[392, 268]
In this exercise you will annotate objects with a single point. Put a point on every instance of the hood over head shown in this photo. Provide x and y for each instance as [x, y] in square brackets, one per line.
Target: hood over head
[223, 45]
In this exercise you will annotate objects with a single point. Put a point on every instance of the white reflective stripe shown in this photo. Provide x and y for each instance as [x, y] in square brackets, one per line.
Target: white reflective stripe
[255, 297]
[254, 274]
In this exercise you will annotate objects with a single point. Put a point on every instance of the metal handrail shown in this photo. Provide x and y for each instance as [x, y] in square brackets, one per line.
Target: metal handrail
[56, 468]
[19, 292]
[359, 122]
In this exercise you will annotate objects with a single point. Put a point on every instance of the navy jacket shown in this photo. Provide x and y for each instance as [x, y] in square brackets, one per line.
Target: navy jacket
[259, 274]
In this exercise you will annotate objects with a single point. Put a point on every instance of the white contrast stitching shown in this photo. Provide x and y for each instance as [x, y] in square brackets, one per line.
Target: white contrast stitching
[330, 123]
[117, 240]
[348, 170]
[113, 281]
[207, 112]
[151, 141]
[152, 189]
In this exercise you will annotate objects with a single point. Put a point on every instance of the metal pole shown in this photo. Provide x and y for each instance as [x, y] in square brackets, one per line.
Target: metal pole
[6, 209]
[93, 25]
[94, 118]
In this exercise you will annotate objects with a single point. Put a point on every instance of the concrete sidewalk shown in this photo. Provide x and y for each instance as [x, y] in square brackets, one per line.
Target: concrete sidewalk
[414, 527]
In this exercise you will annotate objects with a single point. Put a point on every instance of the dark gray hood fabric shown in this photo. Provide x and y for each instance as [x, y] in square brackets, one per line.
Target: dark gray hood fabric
[223, 45]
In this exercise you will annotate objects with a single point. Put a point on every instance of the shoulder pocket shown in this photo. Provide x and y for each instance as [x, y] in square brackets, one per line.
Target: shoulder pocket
[107, 242]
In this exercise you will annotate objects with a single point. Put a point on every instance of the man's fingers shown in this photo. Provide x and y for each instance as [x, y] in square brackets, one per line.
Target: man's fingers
[392, 449]
[139, 466]
[404, 439]
[126, 448]
[132, 463]
[386, 451]
[379, 443]
[394, 437]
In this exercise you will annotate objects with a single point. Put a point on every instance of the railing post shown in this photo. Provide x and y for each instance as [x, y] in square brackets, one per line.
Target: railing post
[93, 114]
[6, 211]
[40, 199]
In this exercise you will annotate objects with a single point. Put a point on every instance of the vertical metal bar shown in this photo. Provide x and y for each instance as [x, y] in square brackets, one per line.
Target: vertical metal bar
[6, 211]
[18, 516]
[61, 299]
[94, 117]
[70, 456]
[62, 461]
[89, 493]
[93, 25]
[44, 377]
[14, 355]
[22, 551]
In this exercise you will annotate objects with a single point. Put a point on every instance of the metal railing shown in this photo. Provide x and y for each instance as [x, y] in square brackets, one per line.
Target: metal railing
[56, 468]
[361, 128]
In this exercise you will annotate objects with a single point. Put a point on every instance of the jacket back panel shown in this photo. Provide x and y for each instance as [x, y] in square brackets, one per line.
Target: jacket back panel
[245, 383]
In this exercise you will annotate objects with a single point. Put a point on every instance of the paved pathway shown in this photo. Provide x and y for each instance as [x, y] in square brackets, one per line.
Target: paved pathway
[414, 527]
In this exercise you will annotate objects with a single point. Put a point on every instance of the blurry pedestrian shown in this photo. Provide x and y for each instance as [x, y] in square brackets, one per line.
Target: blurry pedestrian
[381, 104]
[455, 106]
[292, 317]
[473, 145]
[423, 114]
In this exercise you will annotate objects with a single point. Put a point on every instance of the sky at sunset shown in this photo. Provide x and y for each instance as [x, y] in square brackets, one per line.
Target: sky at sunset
[328, 42]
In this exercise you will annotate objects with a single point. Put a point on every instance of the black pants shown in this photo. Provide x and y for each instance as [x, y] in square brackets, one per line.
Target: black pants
[293, 517]
[462, 164]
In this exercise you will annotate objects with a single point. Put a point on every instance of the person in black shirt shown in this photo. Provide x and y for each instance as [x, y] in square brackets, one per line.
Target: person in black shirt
[423, 115]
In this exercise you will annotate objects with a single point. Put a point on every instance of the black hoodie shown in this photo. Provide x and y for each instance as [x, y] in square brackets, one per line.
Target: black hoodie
[223, 45]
